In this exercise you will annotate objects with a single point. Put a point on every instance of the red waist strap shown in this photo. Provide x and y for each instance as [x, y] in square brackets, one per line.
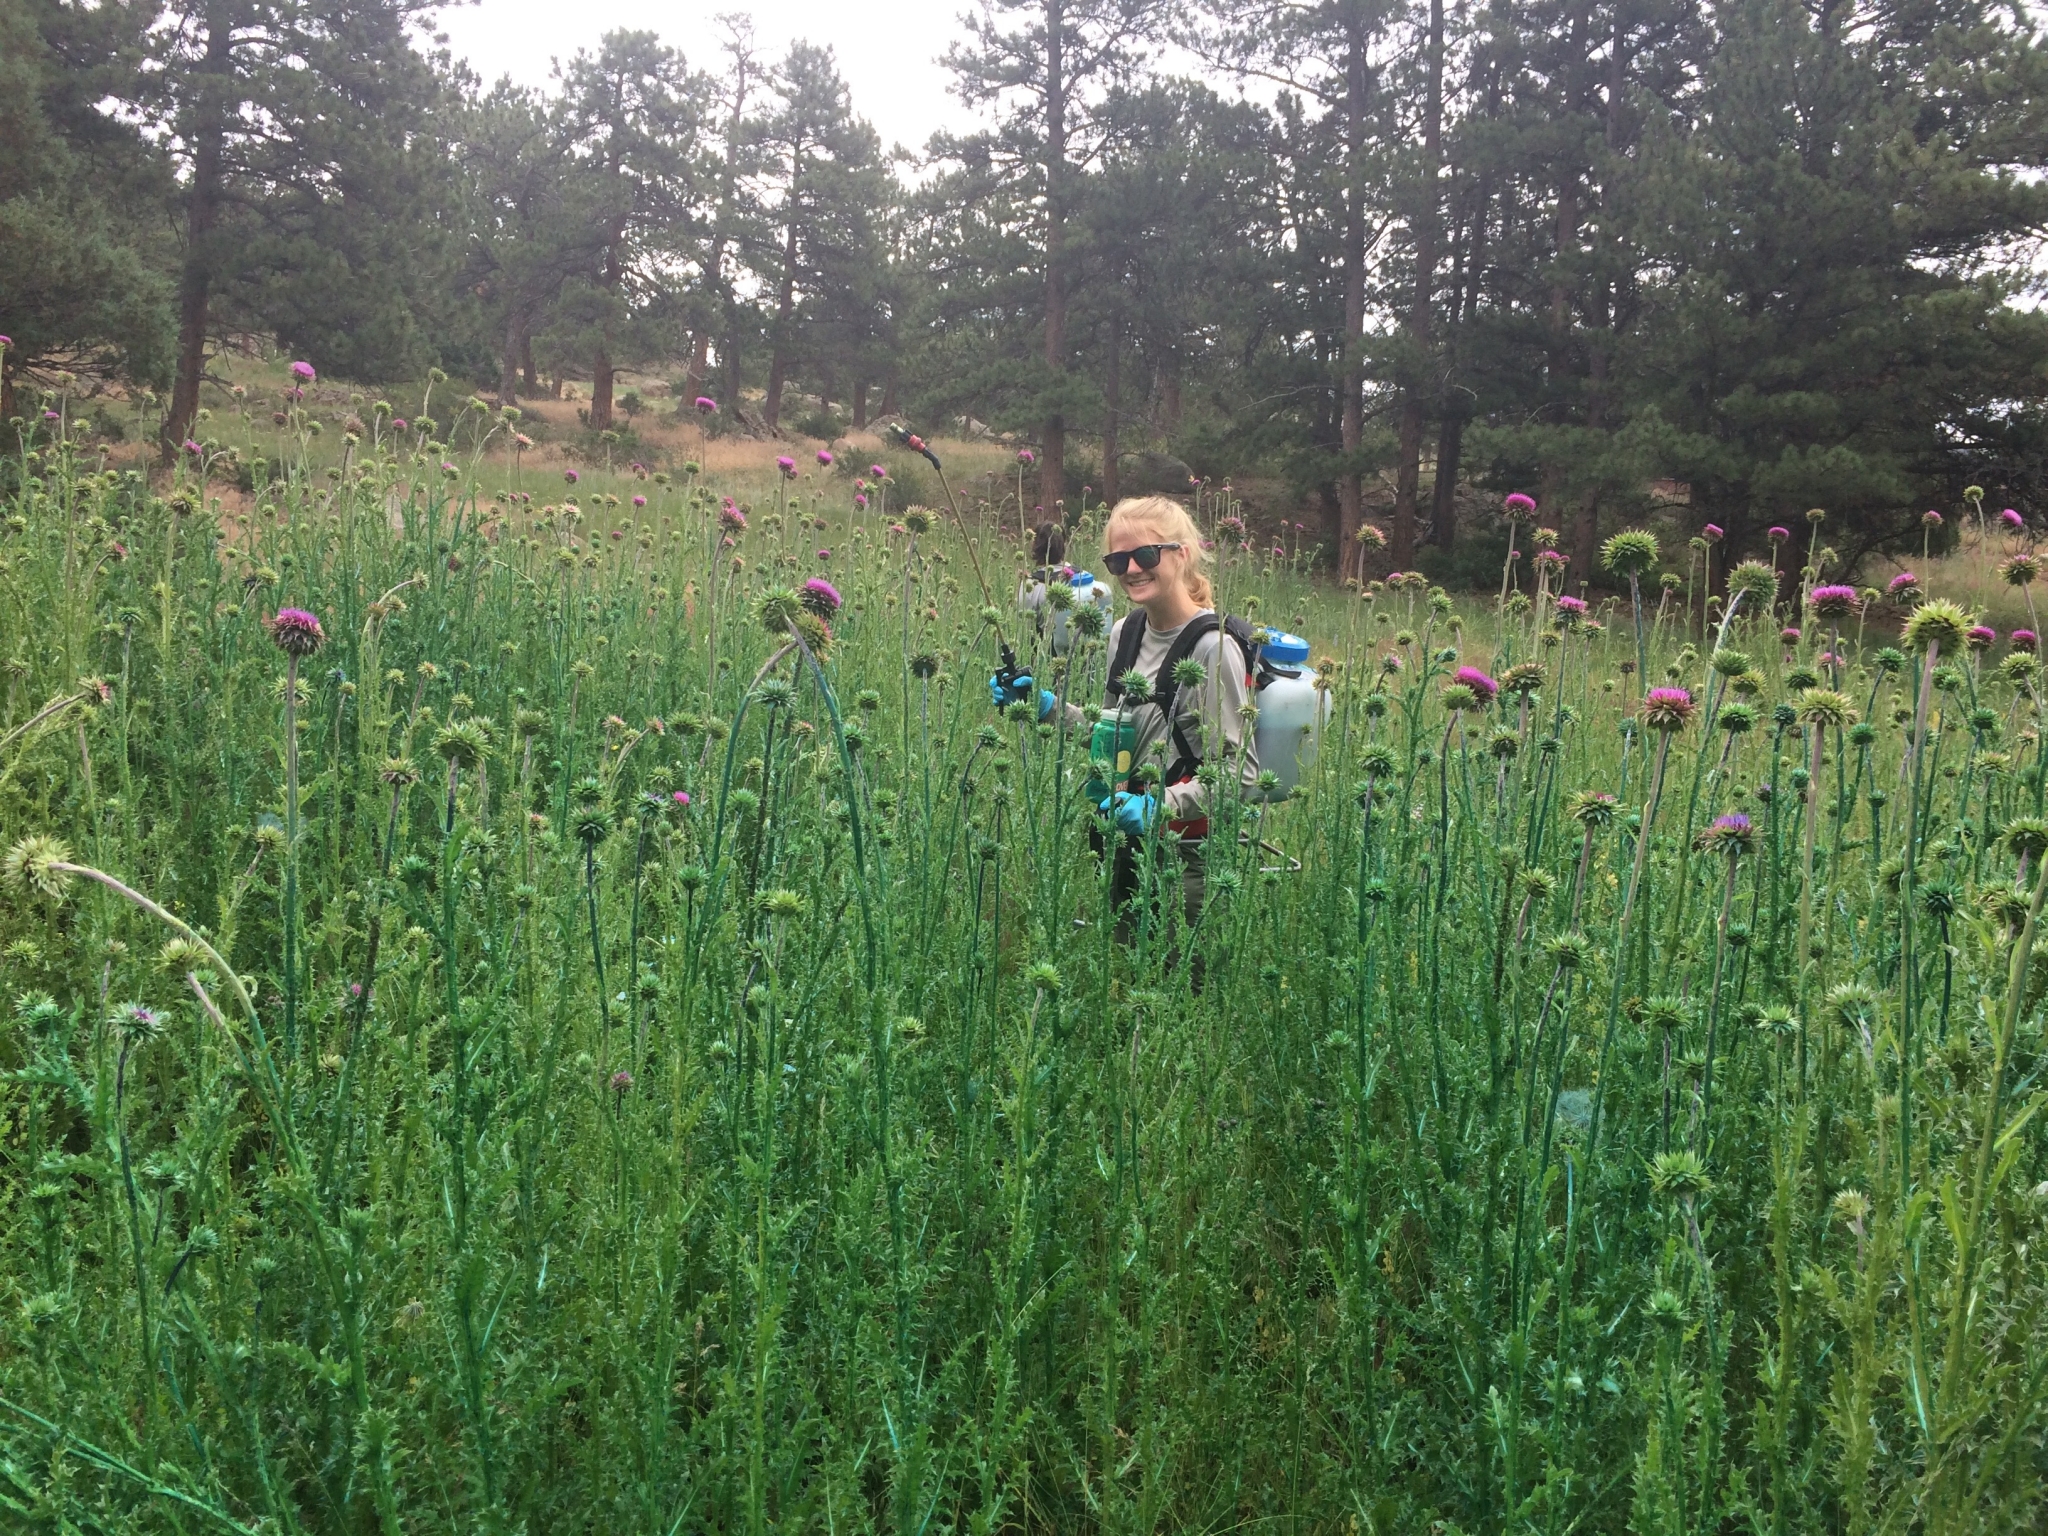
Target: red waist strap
[1190, 829]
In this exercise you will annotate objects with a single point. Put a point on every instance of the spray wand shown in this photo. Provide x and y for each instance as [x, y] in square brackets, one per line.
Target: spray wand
[1010, 671]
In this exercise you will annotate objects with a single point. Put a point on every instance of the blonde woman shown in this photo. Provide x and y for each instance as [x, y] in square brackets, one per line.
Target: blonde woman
[1154, 550]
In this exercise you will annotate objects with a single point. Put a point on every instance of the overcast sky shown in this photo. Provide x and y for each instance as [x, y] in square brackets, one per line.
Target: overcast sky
[888, 53]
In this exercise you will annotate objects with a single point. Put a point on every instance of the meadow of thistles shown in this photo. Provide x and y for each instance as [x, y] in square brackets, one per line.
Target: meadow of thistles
[557, 1018]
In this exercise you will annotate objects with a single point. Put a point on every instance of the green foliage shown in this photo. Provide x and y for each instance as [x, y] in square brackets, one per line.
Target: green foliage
[580, 1062]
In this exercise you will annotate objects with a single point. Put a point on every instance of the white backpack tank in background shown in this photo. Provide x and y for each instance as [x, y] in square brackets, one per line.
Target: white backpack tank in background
[1291, 712]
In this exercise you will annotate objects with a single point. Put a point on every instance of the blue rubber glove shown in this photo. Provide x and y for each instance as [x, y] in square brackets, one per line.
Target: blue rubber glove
[1131, 813]
[1015, 691]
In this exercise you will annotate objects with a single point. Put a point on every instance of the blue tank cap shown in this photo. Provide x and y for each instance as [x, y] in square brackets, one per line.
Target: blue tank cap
[1285, 650]
[1082, 579]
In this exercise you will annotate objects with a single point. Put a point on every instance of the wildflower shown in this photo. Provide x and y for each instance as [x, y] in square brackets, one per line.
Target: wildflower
[296, 632]
[1731, 834]
[303, 371]
[1737, 719]
[190, 447]
[731, 518]
[681, 797]
[1777, 534]
[820, 597]
[1904, 587]
[860, 503]
[1371, 535]
[2020, 570]
[824, 556]
[1517, 506]
[136, 1024]
[1629, 553]
[1713, 533]
[706, 406]
[2024, 640]
[787, 465]
[1481, 685]
[622, 1082]
[1825, 708]
[571, 476]
[1758, 578]
[1594, 809]
[1680, 1175]
[877, 472]
[639, 501]
[1832, 602]
[1930, 518]
[781, 903]
[1572, 607]
[1026, 456]
[824, 458]
[917, 520]
[2012, 519]
[1939, 623]
[1982, 637]
[1668, 709]
[1458, 699]
[519, 439]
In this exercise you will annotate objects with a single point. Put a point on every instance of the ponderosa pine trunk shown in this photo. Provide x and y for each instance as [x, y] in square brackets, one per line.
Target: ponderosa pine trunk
[1424, 220]
[1351, 429]
[202, 215]
[1052, 452]
[785, 304]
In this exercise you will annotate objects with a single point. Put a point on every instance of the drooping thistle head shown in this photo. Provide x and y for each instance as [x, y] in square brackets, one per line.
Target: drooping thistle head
[1757, 578]
[777, 609]
[296, 632]
[1826, 708]
[1593, 809]
[1629, 553]
[1731, 834]
[820, 597]
[1938, 623]
[1737, 719]
[136, 1024]
[1668, 709]
[31, 865]
[2026, 836]
[1833, 601]
[1523, 678]
[1568, 951]
[1680, 1176]
[1730, 663]
[1482, 686]
[462, 744]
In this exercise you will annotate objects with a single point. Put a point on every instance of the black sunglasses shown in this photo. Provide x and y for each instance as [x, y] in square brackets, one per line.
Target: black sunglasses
[1147, 556]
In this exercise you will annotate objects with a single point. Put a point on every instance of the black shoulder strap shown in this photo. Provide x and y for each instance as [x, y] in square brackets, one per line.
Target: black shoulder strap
[1128, 639]
[1166, 691]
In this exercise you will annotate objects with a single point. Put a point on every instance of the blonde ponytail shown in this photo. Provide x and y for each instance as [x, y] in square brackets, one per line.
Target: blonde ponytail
[1170, 523]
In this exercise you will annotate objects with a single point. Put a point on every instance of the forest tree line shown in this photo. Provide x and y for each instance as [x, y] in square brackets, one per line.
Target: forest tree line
[1780, 252]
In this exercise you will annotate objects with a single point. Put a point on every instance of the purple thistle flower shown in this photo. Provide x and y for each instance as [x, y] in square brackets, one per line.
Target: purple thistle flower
[1517, 505]
[787, 465]
[877, 472]
[622, 1082]
[1832, 601]
[296, 632]
[303, 370]
[1713, 533]
[825, 458]
[2024, 640]
[1026, 456]
[2012, 519]
[190, 447]
[1668, 709]
[1777, 534]
[639, 501]
[820, 597]
[861, 502]
[681, 797]
[706, 406]
[1482, 685]
[1982, 637]
[571, 476]
[1575, 607]
[1930, 518]
[1789, 634]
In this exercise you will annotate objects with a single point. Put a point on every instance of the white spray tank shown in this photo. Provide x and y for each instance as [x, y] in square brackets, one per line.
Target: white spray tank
[1291, 712]
[1088, 592]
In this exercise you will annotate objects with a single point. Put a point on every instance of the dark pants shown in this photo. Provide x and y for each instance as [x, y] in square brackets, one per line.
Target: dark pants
[1126, 887]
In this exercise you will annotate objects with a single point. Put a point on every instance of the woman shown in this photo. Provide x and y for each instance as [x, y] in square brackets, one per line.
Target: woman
[1154, 550]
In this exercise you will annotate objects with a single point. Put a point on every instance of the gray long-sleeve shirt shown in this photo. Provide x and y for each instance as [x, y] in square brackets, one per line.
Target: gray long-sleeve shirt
[1210, 716]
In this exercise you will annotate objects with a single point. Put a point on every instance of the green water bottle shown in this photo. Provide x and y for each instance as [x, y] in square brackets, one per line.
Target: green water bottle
[1112, 748]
